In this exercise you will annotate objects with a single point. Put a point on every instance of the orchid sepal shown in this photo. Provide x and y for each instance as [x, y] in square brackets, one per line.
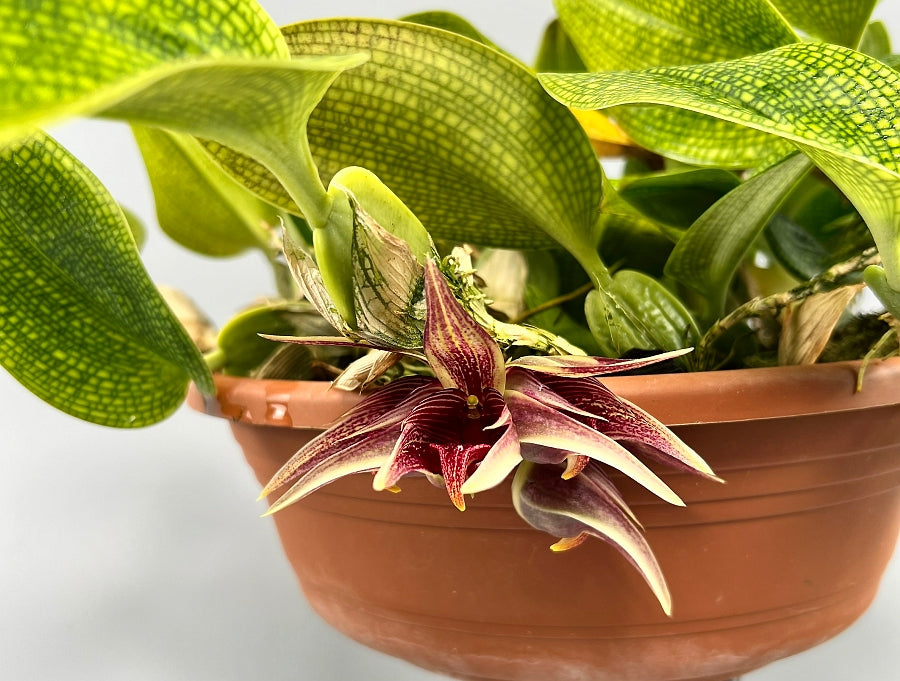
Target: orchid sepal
[460, 352]
[624, 421]
[579, 365]
[382, 410]
[571, 508]
[363, 456]
[545, 427]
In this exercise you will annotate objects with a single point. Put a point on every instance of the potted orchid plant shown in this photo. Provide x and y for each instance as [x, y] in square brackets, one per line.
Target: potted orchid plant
[442, 236]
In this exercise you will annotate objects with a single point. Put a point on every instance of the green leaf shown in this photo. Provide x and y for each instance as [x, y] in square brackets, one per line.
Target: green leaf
[677, 198]
[837, 105]
[888, 295]
[81, 324]
[634, 34]
[619, 35]
[875, 41]
[74, 52]
[197, 204]
[833, 21]
[242, 351]
[557, 52]
[460, 132]
[816, 228]
[553, 273]
[138, 230]
[269, 97]
[635, 242]
[264, 114]
[637, 312]
[874, 191]
[709, 253]
[454, 23]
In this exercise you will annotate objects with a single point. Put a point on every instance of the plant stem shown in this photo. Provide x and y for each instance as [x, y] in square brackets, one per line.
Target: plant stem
[294, 167]
[832, 278]
[215, 360]
[549, 304]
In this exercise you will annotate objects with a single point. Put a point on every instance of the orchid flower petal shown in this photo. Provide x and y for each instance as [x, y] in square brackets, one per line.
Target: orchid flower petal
[460, 352]
[576, 365]
[316, 340]
[443, 434]
[501, 459]
[525, 382]
[621, 420]
[570, 508]
[538, 424]
[575, 463]
[308, 276]
[384, 409]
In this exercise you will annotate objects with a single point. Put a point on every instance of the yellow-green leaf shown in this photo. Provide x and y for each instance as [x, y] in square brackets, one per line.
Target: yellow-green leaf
[460, 132]
[619, 35]
[81, 324]
[450, 22]
[875, 41]
[216, 70]
[557, 53]
[57, 57]
[834, 21]
[197, 204]
[837, 105]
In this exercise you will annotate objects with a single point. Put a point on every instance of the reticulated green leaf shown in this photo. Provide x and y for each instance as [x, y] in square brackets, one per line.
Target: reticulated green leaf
[245, 93]
[634, 242]
[73, 51]
[828, 97]
[620, 35]
[256, 107]
[834, 21]
[837, 105]
[81, 324]
[460, 132]
[875, 192]
[709, 253]
[197, 203]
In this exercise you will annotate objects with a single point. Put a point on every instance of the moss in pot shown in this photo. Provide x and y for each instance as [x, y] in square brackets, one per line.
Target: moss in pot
[672, 283]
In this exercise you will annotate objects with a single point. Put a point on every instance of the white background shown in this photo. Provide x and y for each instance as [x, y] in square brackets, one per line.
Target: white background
[140, 555]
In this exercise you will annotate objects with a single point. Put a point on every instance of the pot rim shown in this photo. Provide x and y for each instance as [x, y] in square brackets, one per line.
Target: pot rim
[674, 399]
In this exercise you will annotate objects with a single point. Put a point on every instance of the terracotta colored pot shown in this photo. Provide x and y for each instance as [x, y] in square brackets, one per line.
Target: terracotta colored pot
[784, 556]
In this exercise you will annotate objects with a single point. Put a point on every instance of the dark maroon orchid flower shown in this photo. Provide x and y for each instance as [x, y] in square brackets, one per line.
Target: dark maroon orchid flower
[480, 418]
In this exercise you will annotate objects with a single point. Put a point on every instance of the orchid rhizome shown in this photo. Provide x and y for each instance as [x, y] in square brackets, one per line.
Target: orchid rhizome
[547, 421]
